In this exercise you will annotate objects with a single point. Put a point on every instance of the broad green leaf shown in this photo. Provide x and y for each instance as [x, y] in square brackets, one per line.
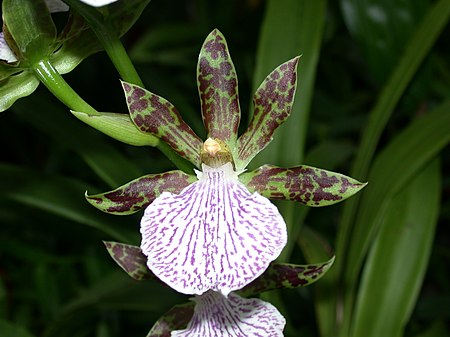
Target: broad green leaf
[118, 126]
[394, 167]
[130, 259]
[15, 87]
[283, 275]
[176, 318]
[61, 197]
[218, 89]
[140, 192]
[31, 26]
[272, 102]
[400, 251]
[157, 116]
[308, 185]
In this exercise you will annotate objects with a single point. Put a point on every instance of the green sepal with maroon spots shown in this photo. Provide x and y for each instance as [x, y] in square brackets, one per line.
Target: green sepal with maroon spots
[218, 89]
[140, 192]
[130, 259]
[282, 275]
[157, 116]
[272, 105]
[308, 185]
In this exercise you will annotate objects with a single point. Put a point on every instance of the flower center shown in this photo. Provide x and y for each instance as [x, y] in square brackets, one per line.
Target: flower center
[215, 153]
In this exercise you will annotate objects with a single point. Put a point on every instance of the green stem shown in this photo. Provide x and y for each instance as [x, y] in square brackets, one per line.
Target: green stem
[110, 42]
[48, 75]
[119, 57]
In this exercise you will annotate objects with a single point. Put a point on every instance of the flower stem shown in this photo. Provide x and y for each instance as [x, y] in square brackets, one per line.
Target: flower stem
[110, 42]
[119, 57]
[48, 75]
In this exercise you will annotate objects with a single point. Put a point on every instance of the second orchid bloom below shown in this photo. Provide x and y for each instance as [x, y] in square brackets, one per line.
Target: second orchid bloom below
[213, 231]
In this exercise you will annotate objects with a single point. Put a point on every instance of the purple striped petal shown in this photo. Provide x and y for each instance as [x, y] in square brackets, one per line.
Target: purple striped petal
[214, 235]
[217, 315]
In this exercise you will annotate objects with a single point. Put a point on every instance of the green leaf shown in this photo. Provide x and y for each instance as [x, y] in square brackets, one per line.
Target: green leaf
[130, 259]
[417, 48]
[119, 127]
[157, 116]
[394, 167]
[308, 185]
[31, 26]
[272, 102]
[218, 89]
[15, 87]
[283, 275]
[401, 250]
[176, 318]
[59, 196]
[140, 192]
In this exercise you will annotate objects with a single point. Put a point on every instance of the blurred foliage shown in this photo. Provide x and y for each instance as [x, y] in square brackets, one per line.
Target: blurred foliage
[367, 66]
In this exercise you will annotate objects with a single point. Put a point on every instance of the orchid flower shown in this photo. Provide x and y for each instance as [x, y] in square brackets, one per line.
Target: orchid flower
[217, 230]
[213, 314]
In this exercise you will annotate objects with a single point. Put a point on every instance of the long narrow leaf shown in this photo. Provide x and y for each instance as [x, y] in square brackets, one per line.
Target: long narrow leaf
[395, 166]
[418, 47]
[401, 251]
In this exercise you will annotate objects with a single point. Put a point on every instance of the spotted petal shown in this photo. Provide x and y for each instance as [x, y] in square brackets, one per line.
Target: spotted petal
[272, 102]
[140, 192]
[283, 275]
[308, 185]
[154, 114]
[214, 235]
[130, 259]
[218, 89]
[217, 315]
